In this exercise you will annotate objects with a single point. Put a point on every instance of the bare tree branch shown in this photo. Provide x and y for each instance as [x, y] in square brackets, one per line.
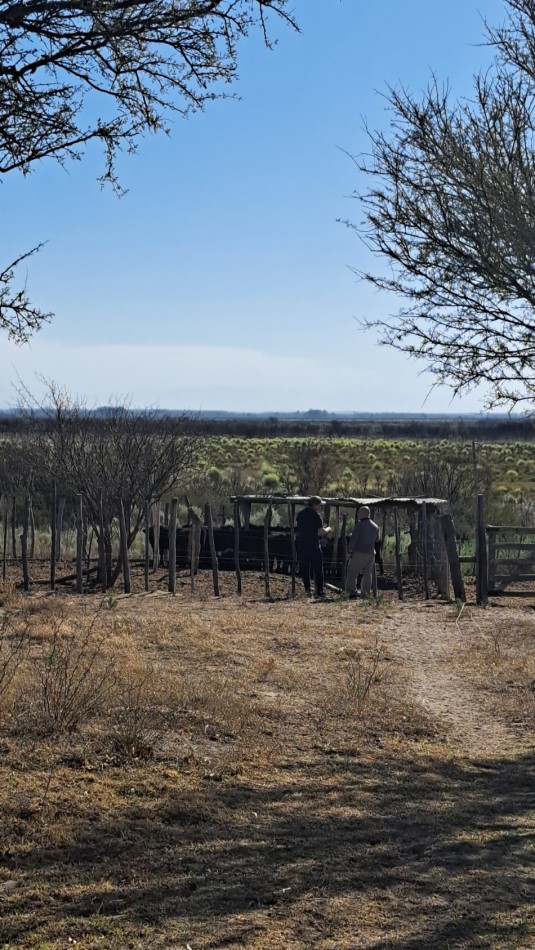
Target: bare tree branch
[451, 208]
[77, 71]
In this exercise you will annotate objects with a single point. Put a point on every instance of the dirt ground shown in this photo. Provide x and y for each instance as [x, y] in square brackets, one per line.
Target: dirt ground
[333, 775]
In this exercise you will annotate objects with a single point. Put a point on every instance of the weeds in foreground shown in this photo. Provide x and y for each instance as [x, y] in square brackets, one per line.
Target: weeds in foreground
[362, 673]
[74, 679]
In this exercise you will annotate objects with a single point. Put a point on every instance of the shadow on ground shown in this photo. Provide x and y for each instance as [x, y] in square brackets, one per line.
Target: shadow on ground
[336, 851]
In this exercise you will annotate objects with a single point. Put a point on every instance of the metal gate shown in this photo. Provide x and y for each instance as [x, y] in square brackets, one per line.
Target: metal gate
[511, 560]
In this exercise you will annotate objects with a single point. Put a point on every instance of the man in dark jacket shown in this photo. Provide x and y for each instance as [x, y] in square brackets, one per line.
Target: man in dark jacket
[362, 553]
[310, 529]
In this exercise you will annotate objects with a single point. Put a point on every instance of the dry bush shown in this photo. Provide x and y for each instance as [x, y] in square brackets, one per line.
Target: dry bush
[142, 706]
[10, 597]
[14, 645]
[362, 674]
[73, 680]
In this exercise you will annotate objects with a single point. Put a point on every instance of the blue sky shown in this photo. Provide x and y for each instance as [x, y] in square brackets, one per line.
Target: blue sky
[222, 279]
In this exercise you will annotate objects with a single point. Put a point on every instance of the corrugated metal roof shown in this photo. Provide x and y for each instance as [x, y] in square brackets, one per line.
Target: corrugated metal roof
[373, 502]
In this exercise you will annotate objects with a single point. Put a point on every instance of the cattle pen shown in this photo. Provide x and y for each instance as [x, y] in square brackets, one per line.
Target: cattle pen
[417, 539]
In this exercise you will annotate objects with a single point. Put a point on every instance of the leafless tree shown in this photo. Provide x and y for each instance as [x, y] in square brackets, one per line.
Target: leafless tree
[310, 465]
[450, 208]
[117, 454]
[77, 71]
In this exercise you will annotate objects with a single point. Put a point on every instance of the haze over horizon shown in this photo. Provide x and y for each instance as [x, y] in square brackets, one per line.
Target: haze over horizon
[223, 278]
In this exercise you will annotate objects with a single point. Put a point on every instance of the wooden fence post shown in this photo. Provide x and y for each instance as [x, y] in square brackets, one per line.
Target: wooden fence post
[146, 551]
[79, 544]
[124, 548]
[213, 552]
[397, 551]
[24, 542]
[156, 533]
[236, 514]
[291, 523]
[482, 590]
[425, 562]
[53, 529]
[103, 567]
[171, 585]
[13, 528]
[194, 545]
[336, 539]
[492, 559]
[59, 528]
[4, 539]
[457, 579]
[267, 523]
[32, 530]
[343, 573]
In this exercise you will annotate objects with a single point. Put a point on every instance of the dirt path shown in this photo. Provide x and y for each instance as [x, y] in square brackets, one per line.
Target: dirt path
[428, 650]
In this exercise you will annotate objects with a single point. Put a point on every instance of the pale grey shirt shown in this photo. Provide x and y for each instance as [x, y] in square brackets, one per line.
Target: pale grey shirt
[365, 534]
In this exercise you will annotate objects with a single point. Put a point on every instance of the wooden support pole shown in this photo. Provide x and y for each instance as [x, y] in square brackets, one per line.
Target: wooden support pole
[424, 539]
[165, 514]
[13, 528]
[247, 515]
[24, 542]
[482, 589]
[124, 548]
[448, 533]
[146, 564]
[397, 552]
[291, 523]
[156, 533]
[5, 511]
[59, 527]
[194, 545]
[213, 552]
[492, 559]
[236, 515]
[267, 523]
[53, 530]
[336, 539]
[79, 544]
[442, 565]
[32, 530]
[343, 572]
[171, 585]
[102, 565]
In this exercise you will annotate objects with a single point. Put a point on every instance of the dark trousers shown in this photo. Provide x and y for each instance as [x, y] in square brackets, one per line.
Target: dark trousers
[311, 562]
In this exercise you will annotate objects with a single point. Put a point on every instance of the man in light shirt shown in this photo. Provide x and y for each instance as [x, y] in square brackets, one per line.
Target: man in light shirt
[362, 553]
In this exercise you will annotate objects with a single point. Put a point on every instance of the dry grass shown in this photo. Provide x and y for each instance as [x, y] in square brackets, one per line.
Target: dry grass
[499, 657]
[259, 776]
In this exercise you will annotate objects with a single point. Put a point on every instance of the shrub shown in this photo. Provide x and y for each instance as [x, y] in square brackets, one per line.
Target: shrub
[73, 678]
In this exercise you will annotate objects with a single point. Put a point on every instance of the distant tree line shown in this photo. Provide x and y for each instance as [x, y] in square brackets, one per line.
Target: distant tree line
[484, 428]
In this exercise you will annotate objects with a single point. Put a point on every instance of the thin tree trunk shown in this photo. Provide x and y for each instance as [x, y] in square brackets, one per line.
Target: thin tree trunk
[172, 547]
[4, 540]
[146, 552]
[13, 528]
[213, 553]
[124, 548]
[79, 544]
[32, 530]
[24, 542]
[53, 529]
[103, 568]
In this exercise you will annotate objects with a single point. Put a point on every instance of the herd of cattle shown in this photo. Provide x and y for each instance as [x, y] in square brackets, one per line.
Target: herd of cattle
[251, 544]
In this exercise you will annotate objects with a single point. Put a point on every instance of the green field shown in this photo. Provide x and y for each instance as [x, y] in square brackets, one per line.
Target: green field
[343, 466]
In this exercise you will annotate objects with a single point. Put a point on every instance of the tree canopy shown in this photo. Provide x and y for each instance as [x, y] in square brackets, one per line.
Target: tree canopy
[77, 71]
[450, 207]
